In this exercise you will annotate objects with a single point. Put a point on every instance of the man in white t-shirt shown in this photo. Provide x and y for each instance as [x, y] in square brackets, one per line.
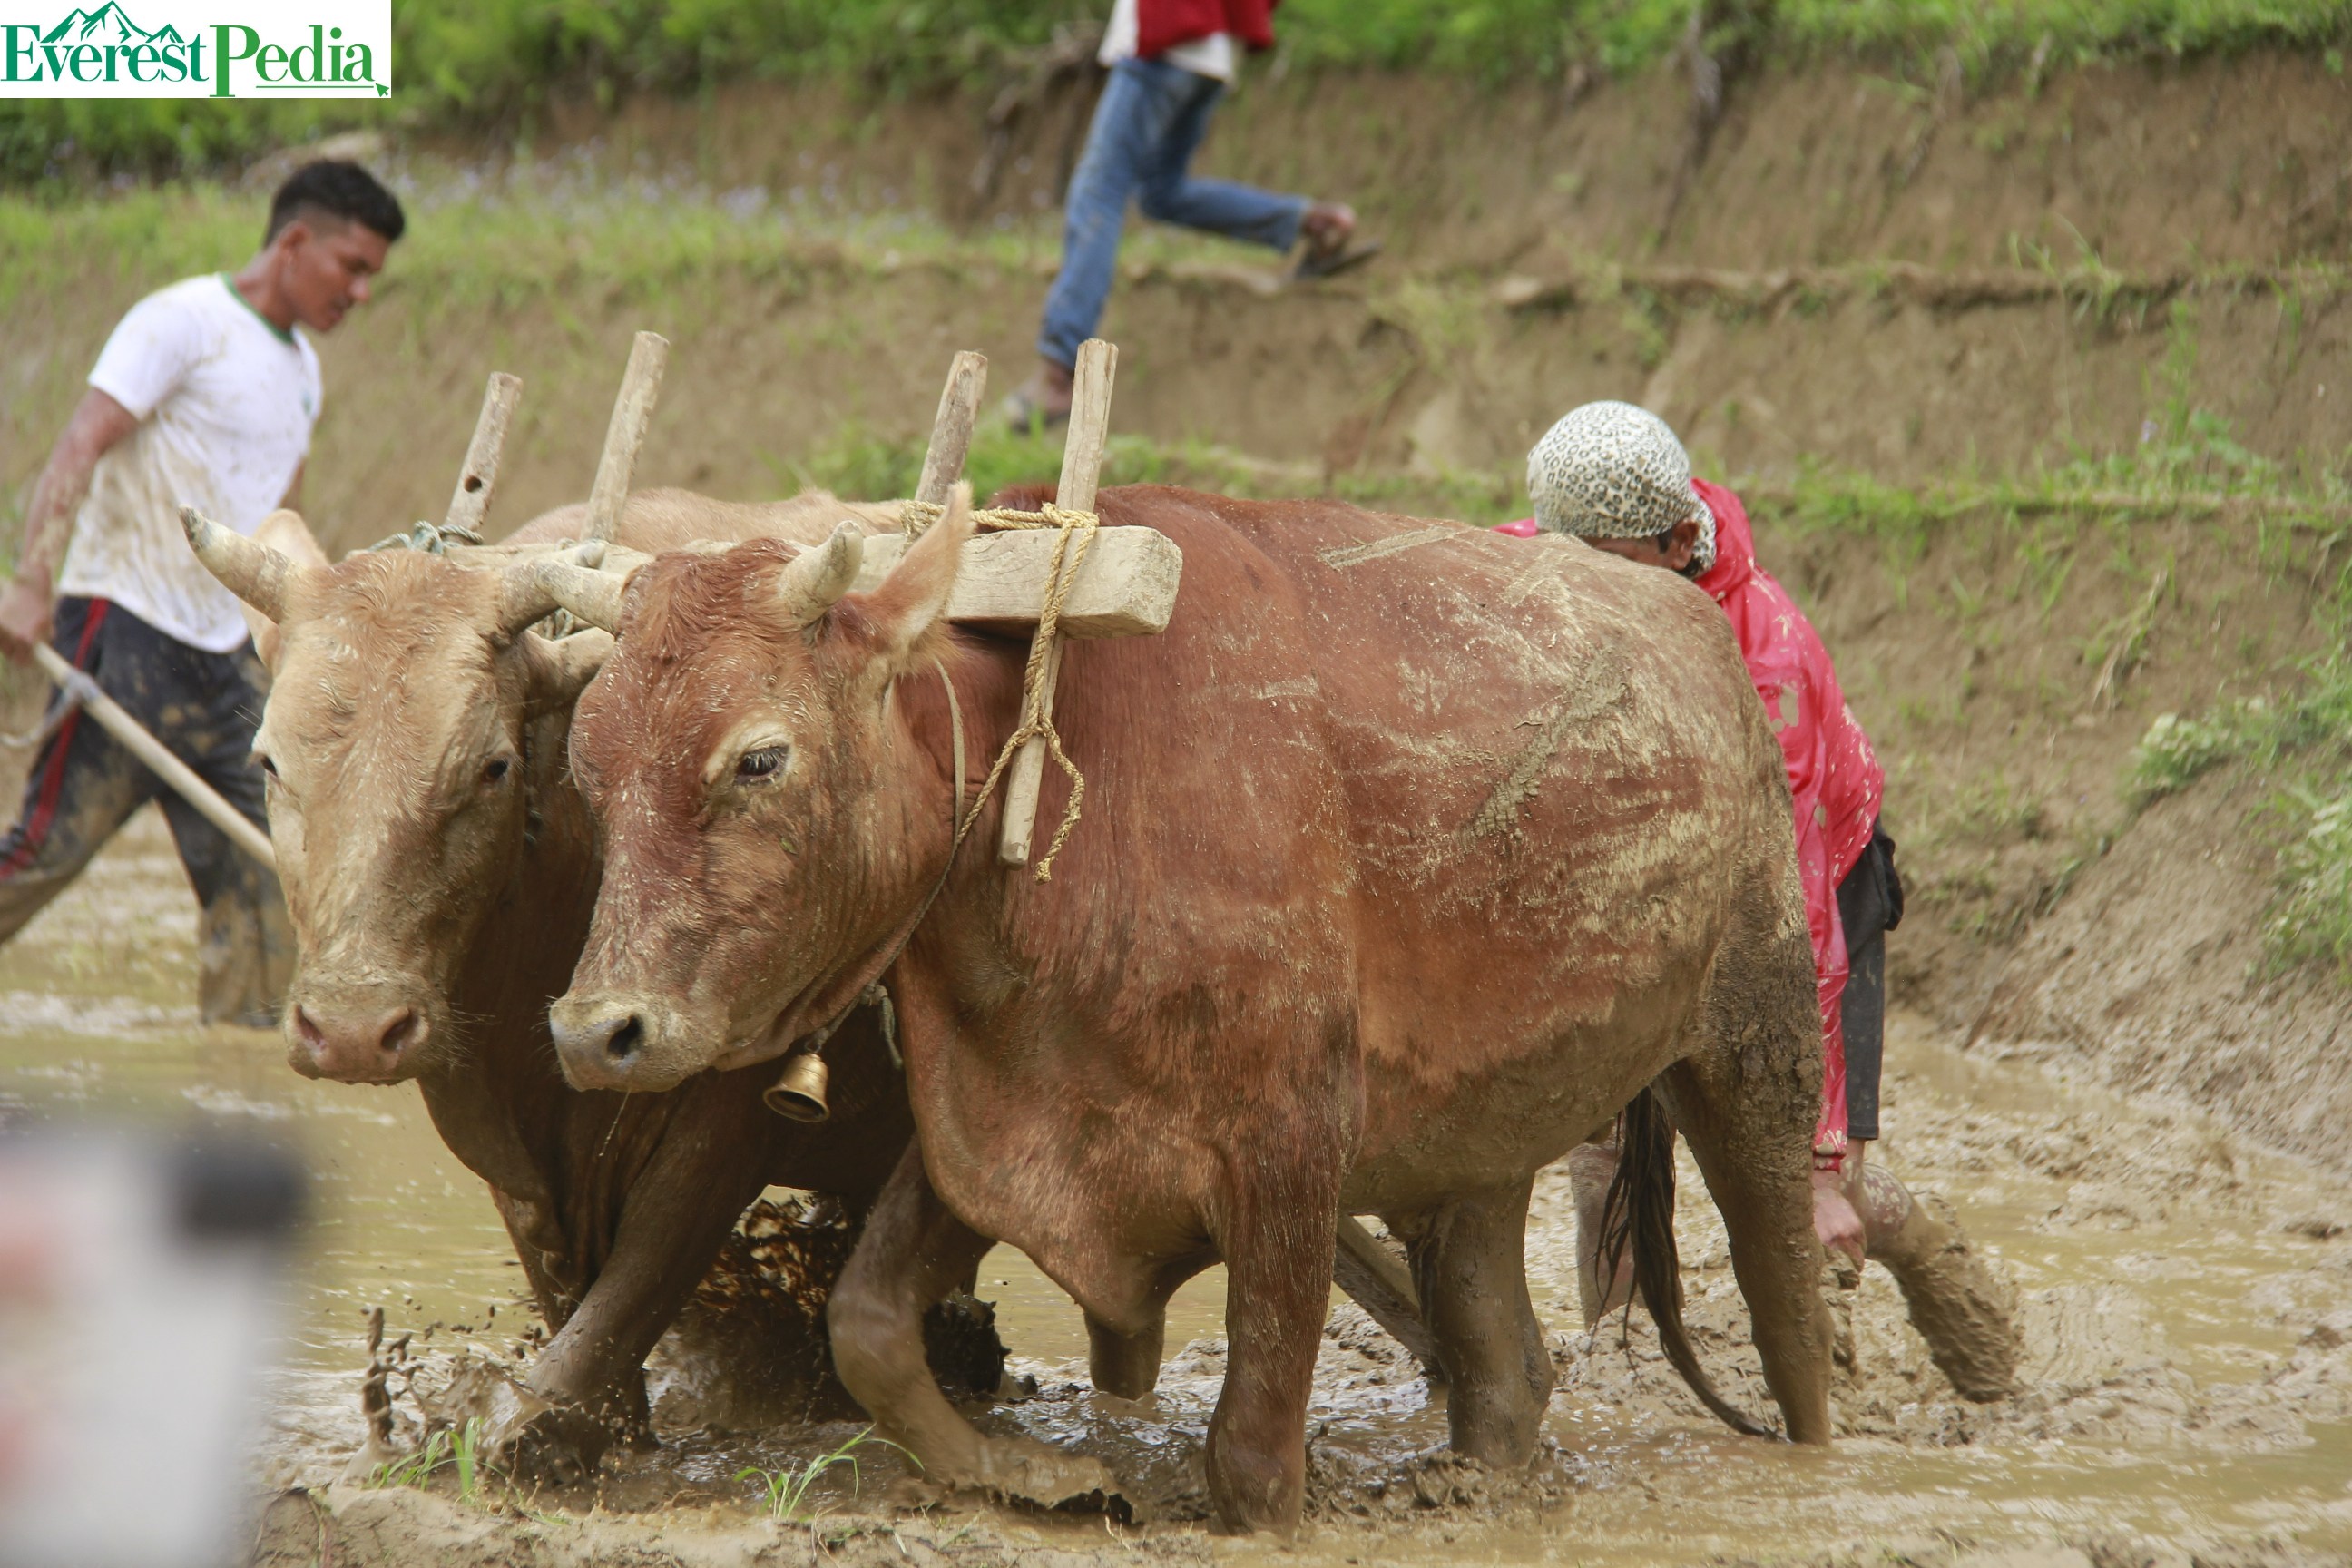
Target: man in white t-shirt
[1171, 61]
[204, 396]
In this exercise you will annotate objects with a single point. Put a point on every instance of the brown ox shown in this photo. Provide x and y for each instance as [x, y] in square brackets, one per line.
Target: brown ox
[1411, 855]
[440, 870]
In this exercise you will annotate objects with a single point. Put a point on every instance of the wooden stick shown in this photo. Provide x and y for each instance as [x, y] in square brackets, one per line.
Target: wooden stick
[471, 499]
[1377, 1283]
[1081, 469]
[951, 431]
[110, 715]
[632, 412]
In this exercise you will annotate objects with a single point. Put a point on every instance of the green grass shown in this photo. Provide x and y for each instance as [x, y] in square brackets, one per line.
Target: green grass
[482, 60]
[2303, 744]
[2310, 921]
[858, 463]
[784, 1493]
[459, 1449]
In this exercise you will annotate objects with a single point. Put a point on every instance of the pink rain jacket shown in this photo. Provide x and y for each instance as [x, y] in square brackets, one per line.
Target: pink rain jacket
[1834, 776]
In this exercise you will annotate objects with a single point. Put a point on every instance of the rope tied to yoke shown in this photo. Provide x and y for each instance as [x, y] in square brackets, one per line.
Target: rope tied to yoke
[1076, 531]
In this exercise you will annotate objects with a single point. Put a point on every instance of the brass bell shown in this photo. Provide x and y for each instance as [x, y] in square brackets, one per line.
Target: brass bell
[799, 1092]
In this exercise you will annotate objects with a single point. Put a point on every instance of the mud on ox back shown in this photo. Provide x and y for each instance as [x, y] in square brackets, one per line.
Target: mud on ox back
[1409, 858]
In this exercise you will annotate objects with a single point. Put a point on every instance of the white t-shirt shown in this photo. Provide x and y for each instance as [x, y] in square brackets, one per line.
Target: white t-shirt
[1213, 55]
[225, 403]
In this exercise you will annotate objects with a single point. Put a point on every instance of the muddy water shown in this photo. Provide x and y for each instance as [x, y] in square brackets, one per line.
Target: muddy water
[2188, 1372]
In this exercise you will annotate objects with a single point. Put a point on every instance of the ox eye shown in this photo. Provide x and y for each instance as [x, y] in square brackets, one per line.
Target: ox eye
[269, 763]
[758, 767]
[495, 769]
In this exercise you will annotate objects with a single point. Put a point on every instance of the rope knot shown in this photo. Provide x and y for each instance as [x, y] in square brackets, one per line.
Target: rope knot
[1076, 531]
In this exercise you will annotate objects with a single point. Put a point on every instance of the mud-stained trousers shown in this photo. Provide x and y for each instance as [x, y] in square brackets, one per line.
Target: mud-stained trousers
[84, 787]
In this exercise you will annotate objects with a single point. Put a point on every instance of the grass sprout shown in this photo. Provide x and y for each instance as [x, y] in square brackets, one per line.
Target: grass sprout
[460, 1449]
[784, 1493]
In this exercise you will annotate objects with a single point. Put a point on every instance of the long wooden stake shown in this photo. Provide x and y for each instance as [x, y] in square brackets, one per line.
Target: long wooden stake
[1379, 1284]
[1081, 471]
[632, 412]
[110, 715]
[951, 431]
[471, 500]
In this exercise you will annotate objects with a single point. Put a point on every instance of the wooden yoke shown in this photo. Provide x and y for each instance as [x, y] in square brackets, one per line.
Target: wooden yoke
[1082, 455]
[952, 430]
[633, 410]
[470, 501]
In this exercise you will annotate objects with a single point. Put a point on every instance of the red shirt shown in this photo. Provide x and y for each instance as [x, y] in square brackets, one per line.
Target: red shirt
[1161, 25]
[1834, 778]
[1833, 775]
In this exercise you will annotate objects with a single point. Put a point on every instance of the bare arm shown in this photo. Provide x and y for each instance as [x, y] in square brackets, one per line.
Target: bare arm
[98, 424]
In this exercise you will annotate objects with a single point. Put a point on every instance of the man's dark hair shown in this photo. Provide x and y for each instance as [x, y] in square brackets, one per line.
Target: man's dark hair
[338, 190]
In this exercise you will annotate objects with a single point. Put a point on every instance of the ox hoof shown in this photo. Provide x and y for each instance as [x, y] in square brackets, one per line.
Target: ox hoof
[562, 1444]
[1021, 1470]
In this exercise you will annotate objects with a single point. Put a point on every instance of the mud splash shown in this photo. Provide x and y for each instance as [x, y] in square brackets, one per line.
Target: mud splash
[2187, 1385]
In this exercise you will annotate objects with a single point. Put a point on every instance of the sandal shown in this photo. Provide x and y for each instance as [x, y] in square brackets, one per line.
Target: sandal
[1321, 262]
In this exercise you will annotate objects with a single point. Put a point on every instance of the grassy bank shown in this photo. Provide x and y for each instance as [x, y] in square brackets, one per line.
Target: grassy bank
[484, 61]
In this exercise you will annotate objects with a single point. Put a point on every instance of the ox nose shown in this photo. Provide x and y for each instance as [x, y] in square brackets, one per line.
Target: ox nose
[596, 1040]
[355, 1047]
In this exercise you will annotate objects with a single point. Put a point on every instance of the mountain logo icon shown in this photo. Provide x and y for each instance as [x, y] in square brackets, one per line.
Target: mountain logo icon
[109, 23]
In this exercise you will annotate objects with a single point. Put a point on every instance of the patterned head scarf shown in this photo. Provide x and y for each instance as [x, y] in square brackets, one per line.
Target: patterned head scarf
[1610, 471]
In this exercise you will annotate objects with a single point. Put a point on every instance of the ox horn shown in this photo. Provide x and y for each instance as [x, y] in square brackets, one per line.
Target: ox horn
[819, 576]
[252, 571]
[541, 587]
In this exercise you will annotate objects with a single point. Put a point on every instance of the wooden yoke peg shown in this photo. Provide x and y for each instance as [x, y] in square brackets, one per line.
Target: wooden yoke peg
[633, 410]
[1082, 457]
[951, 431]
[470, 501]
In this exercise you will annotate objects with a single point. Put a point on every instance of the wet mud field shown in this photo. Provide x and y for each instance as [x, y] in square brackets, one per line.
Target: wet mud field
[2185, 1302]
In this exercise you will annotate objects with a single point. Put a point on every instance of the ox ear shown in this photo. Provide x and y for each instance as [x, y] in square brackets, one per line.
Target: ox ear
[913, 599]
[560, 667]
[815, 579]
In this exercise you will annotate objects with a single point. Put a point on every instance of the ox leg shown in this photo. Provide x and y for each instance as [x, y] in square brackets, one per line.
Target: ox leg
[676, 1216]
[913, 1252]
[1469, 1264]
[1754, 1147]
[1277, 1292]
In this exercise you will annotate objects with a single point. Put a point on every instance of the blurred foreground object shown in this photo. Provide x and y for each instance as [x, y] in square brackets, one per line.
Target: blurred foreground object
[140, 1286]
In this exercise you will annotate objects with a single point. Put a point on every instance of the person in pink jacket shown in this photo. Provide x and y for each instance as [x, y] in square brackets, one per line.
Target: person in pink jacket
[1615, 477]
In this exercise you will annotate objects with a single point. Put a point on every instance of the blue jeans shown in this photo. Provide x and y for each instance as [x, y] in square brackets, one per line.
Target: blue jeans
[1145, 131]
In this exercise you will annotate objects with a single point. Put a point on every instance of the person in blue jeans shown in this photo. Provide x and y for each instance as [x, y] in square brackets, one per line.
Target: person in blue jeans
[1171, 61]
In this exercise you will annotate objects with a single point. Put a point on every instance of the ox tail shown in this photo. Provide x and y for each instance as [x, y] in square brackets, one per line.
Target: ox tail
[1639, 1212]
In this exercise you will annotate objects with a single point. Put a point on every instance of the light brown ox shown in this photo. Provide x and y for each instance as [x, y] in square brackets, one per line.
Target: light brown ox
[1411, 854]
[440, 869]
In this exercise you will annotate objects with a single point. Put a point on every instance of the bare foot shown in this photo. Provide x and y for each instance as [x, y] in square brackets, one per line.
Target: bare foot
[1834, 1220]
[1329, 230]
[1327, 227]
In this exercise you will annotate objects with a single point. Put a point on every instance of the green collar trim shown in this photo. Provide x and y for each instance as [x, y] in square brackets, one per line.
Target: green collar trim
[283, 334]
